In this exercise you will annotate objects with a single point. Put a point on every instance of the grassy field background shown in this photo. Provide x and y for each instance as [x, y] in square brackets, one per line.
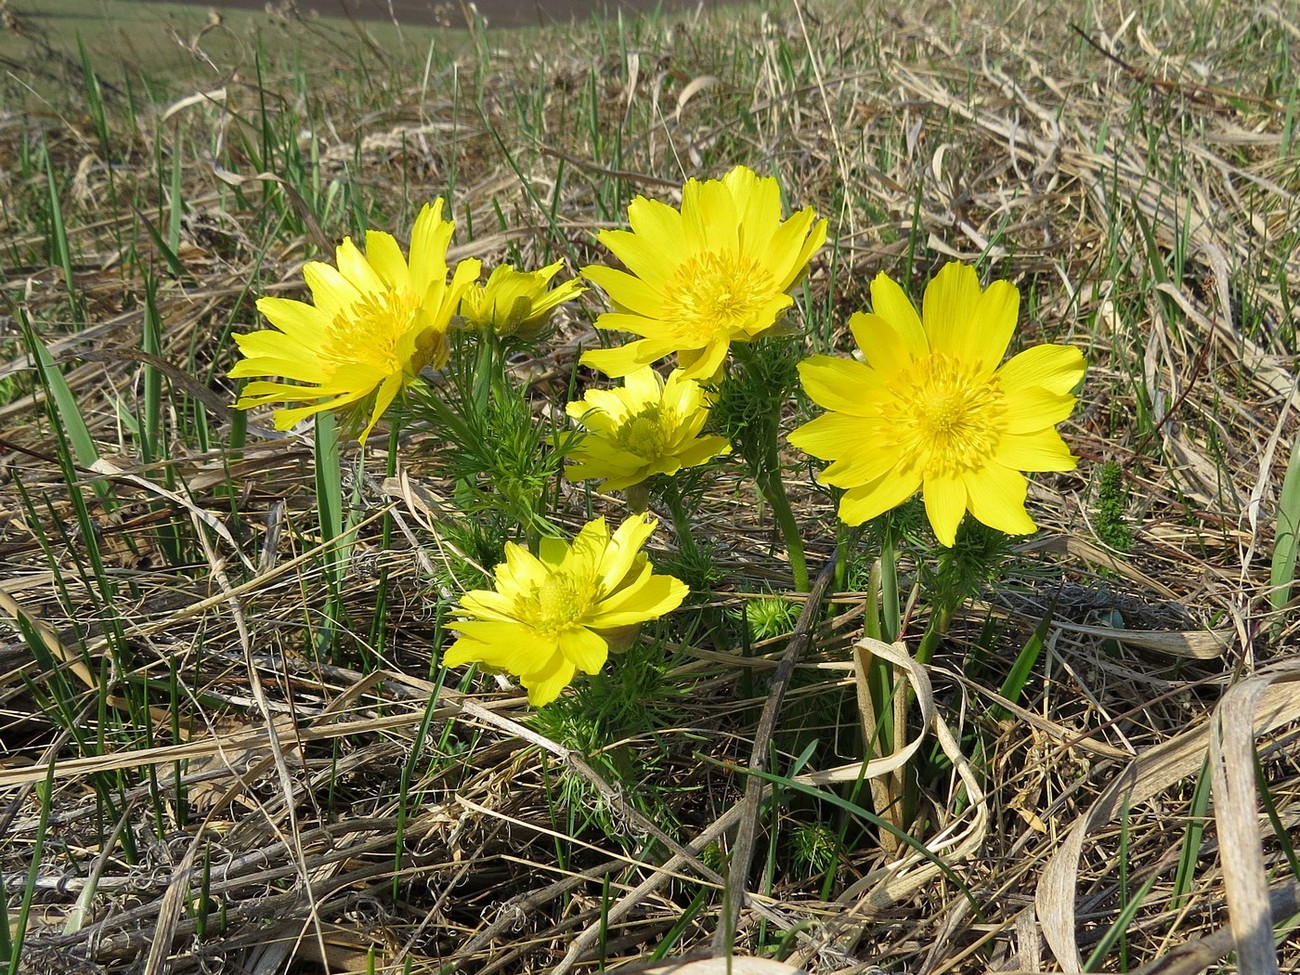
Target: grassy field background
[220, 754]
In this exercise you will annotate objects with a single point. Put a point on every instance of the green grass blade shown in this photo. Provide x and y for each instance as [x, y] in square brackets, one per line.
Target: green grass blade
[65, 412]
[1015, 681]
[1197, 818]
[1286, 534]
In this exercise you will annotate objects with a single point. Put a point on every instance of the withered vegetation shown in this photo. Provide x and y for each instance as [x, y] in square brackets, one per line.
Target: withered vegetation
[220, 757]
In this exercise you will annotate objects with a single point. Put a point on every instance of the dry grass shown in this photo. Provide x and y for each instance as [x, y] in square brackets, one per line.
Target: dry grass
[190, 785]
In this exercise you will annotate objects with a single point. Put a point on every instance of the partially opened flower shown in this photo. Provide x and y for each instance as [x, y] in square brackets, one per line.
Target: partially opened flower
[562, 611]
[517, 303]
[931, 409]
[647, 427]
[718, 271]
[375, 323]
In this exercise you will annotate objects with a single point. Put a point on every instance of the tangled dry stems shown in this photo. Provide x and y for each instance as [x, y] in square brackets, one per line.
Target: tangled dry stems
[1136, 178]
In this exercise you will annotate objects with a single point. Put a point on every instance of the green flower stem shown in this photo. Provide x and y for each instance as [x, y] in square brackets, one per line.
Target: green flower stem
[681, 521]
[773, 490]
[637, 497]
[329, 511]
[378, 632]
[940, 620]
[762, 378]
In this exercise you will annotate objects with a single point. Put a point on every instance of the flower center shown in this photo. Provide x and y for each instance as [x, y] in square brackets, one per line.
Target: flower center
[950, 418]
[643, 435]
[716, 294]
[369, 331]
[557, 604]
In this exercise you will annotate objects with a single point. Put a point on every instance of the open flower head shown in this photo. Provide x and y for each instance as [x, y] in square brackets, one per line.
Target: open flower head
[715, 272]
[647, 427]
[931, 409]
[374, 322]
[517, 303]
[565, 609]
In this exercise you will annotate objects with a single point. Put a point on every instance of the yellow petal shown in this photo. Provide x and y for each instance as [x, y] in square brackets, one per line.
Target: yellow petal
[842, 385]
[707, 211]
[950, 300]
[383, 400]
[333, 294]
[640, 256]
[758, 206]
[385, 256]
[890, 302]
[544, 686]
[661, 228]
[300, 321]
[703, 449]
[997, 498]
[621, 553]
[990, 327]
[636, 324]
[945, 504]
[522, 569]
[487, 604]
[815, 241]
[1056, 368]
[622, 359]
[656, 596]
[887, 350]
[643, 388]
[298, 370]
[430, 237]
[872, 500]
[830, 436]
[353, 265]
[584, 649]
[789, 249]
[1041, 451]
[1034, 408]
[505, 646]
[705, 365]
[626, 291]
[868, 462]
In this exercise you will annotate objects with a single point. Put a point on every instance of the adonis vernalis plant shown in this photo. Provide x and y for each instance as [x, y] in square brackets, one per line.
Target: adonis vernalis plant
[374, 323]
[649, 426]
[717, 271]
[932, 409]
[517, 304]
[565, 609]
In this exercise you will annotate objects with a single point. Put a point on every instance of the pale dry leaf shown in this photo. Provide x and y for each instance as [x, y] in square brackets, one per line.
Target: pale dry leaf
[1150, 773]
[1236, 816]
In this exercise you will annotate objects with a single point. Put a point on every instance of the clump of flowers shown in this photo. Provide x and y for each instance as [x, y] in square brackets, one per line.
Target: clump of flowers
[565, 609]
[374, 323]
[932, 410]
[517, 304]
[649, 426]
[717, 271]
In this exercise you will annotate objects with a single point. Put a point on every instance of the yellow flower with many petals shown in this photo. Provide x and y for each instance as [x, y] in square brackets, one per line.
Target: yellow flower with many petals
[516, 303]
[375, 323]
[931, 409]
[718, 271]
[648, 427]
[565, 609]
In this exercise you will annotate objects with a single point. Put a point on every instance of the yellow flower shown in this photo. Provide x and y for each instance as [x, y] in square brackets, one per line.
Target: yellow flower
[516, 303]
[375, 324]
[648, 427]
[717, 271]
[553, 615]
[931, 409]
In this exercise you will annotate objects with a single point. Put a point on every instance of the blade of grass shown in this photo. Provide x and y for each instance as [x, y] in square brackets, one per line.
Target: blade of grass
[1286, 534]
